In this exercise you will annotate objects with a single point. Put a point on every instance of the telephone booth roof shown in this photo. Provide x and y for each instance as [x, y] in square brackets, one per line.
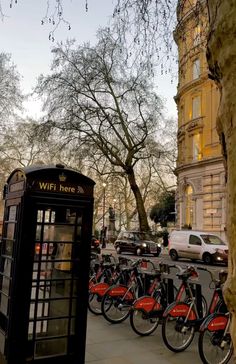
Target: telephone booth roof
[48, 170]
[49, 179]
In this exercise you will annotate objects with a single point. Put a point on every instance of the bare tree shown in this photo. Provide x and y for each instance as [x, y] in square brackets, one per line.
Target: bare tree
[221, 59]
[11, 97]
[95, 98]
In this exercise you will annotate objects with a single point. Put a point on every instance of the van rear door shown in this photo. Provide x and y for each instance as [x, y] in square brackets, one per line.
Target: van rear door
[179, 242]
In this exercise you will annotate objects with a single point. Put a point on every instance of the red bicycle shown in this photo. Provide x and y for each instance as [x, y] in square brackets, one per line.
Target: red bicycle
[118, 299]
[183, 318]
[214, 344]
[147, 311]
[108, 273]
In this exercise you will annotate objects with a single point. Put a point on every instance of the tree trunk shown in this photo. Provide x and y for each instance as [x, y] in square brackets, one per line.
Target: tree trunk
[142, 216]
[222, 63]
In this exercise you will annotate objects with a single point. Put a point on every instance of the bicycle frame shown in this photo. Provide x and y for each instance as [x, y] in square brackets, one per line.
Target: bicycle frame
[188, 310]
[159, 294]
[127, 292]
[192, 310]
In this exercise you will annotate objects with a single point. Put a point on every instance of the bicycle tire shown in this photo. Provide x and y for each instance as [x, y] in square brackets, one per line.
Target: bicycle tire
[142, 324]
[209, 347]
[115, 309]
[94, 304]
[177, 340]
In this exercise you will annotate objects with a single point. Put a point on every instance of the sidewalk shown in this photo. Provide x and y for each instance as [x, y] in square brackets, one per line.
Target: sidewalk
[118, 344]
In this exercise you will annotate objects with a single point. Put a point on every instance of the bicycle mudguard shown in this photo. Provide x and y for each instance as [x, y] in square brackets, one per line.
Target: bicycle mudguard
[120, 290]
[180, 309]
[146, 304]
[215, 322]
[99, 288]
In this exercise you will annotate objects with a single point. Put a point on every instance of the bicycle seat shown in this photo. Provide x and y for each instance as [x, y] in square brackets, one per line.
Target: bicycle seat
[187, 273]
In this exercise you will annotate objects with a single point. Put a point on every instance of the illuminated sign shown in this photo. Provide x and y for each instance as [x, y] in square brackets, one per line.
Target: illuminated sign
[59, 187]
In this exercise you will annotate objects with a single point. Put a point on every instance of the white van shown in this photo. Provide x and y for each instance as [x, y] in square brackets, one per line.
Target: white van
[197, 245]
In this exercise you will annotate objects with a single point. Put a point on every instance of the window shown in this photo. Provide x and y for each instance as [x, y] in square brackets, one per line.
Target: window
[212, 239]
[197, 155]
[182, 151]
[196, 69]
[189, 205]
[196, 107]
[197, 36]
[181, 114]
[194, 240]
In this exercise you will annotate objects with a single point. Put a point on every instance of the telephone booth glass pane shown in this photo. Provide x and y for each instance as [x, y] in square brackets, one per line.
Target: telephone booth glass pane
[53, 292]
[6, 260]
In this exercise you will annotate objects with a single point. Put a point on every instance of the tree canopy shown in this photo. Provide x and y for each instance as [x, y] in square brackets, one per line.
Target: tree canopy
[164, 211]
[11, 95]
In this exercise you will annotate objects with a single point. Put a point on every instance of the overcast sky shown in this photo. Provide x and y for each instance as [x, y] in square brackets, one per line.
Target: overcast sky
[23, 36]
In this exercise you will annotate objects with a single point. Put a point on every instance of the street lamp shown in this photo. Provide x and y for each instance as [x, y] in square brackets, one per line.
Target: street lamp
[103, 216]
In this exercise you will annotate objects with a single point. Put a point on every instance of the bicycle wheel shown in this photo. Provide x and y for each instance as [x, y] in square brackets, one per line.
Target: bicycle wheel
[176, 334]
[142, 323]
[94, 303]
[115, 309]
[213, 348]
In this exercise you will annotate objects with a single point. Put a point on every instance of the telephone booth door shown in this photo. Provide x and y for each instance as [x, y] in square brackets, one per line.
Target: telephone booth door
[44, 265]
[54, 290]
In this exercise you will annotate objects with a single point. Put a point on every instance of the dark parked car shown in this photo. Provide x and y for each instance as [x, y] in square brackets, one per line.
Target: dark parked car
[95, 245]
[136, 242]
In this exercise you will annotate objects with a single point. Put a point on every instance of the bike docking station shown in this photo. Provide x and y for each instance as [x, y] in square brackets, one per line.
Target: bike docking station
[44, 266]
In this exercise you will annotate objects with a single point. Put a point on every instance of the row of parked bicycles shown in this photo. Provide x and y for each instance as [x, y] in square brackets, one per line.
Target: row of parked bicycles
[145, 294]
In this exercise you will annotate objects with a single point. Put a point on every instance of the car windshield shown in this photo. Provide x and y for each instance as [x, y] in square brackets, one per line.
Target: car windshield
[212, 239]
[142, 236]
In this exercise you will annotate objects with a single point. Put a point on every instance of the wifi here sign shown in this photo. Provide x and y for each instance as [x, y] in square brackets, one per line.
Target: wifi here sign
[59, 187]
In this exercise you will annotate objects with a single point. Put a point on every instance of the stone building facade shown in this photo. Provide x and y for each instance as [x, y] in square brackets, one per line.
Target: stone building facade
[200, 200]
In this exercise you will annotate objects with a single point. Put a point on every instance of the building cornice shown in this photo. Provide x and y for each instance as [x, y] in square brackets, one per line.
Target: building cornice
[202, 163]
[191, 85]
[191, 127]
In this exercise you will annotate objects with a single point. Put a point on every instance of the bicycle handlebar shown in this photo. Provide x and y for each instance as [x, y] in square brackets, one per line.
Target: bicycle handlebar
[213, 279]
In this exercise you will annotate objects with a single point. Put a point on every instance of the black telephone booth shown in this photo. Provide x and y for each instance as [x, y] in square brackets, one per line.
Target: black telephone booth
[44, 266]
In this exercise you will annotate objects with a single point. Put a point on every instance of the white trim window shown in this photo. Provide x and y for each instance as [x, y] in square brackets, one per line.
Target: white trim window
[196, 107]
[197, 155]
[196, 69]
[197, 36]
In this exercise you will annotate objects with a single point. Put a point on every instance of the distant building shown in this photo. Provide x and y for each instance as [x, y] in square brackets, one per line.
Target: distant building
[200, 202]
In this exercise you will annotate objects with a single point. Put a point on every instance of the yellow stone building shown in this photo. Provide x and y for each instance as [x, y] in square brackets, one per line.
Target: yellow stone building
[200, 200]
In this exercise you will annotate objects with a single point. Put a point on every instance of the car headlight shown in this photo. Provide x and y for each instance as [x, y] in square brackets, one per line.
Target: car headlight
[159, 245]
[144, 245]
